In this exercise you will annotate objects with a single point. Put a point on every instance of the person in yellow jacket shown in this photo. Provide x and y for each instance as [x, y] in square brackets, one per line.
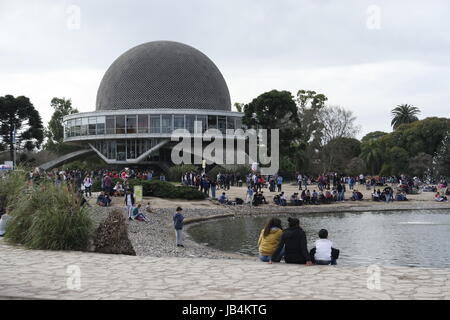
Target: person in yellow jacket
[269, 239]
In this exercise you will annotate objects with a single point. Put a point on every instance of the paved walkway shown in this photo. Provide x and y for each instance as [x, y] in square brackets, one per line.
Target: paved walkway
[53, 275]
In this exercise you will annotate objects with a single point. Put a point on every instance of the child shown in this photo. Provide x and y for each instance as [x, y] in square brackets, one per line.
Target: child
[178, 225]
[323, 253]
[148, 209]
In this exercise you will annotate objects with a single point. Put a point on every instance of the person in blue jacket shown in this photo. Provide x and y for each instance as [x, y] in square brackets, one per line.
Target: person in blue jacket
[178, 225]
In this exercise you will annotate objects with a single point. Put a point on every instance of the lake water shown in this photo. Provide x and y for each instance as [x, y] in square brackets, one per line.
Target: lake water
[406, 238]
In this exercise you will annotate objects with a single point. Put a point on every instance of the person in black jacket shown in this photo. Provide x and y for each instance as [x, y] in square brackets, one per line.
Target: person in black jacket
[293, 241]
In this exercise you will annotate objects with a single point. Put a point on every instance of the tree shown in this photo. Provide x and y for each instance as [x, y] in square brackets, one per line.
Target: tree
[273, 110]
[55, 130]
[398, 160]
[19, 115]
[355, 167]
[372, 154]
[239, 106]
[309, 104]
[421, 164]
[442, 158]
[374, 135]
[336, 154]
[404, 113]
[337, 123]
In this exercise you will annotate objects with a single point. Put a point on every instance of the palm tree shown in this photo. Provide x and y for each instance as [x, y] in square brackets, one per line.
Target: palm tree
[404, 113]
[372, 154]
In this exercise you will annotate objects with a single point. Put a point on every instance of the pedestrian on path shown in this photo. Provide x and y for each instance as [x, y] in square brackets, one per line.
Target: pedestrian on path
[178, 225]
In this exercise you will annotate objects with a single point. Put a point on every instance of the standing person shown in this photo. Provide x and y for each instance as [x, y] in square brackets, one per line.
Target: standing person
[88, 185]
[269, 239]
[107, 184]
[293, 241]
[178, 225]
[279, 182]
[249, 198]
[213, 185]
[299, 181]
[129, 202]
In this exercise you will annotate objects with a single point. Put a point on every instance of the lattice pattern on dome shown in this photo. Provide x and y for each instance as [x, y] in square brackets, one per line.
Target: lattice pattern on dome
[166, 75]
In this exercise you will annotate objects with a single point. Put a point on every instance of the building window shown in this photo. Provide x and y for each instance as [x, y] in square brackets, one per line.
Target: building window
[84, 127]
[204, 121]
[178, 122]
[212, 122]
[100, 125]
[222, 123]
[121, 150]
[155, 124]
[166, 124]
[110, 125]
[92, 126]
[230, 123]
[190, 121]
[143, 123]
[120, 125]
[131, 149]
[131, 124]
[238, 123]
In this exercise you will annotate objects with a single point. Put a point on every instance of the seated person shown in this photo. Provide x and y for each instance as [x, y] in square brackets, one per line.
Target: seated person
[223, 198]
[283, 200]
[323, 253]
[295, 200]
[258, 199]
[118, 190]
[375, 195]
[357, 196]
[148, 209]
[137, 215]
[321, 197]
[401, 196]
[103, 199]
[440, 198]
[315, 197]
[328, 197]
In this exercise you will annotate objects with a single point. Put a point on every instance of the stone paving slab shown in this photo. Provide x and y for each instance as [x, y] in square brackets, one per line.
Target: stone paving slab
[36, 274]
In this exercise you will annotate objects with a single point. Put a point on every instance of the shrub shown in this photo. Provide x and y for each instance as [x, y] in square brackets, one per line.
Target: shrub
[174, 173]
[112, 235]
[161, 189]
[50, 218]
[10, 186]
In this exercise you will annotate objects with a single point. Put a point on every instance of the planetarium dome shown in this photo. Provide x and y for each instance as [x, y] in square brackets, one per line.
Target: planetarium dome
[163, 75]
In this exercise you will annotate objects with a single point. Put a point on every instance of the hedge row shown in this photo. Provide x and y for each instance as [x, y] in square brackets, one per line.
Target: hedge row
[156, 188]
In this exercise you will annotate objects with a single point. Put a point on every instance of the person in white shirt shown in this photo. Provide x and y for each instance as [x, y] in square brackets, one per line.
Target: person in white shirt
[88, 185]
[3, 220]
[322, 255]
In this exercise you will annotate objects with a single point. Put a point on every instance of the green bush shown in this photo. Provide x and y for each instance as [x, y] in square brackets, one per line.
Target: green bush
[11, 185]
[49, 218]
[161, 189]
[174, 173]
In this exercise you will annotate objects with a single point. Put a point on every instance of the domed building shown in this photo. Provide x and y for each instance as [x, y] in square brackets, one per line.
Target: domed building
[147, 93]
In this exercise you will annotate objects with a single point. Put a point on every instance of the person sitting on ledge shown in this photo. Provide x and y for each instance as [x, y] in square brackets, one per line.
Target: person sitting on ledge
[438, 197]
[323, 253]
[283, 201]
[295, 200]
[293, 245]
[103, 200]
[357, 196]
[269, 239]
[223, 198]
[315, 197]
[328, 197]
[401, 196]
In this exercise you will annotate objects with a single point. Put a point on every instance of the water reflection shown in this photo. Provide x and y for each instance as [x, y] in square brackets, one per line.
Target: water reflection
[409, 238]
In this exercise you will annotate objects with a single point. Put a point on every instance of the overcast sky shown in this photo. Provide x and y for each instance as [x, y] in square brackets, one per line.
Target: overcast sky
[366, 56]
